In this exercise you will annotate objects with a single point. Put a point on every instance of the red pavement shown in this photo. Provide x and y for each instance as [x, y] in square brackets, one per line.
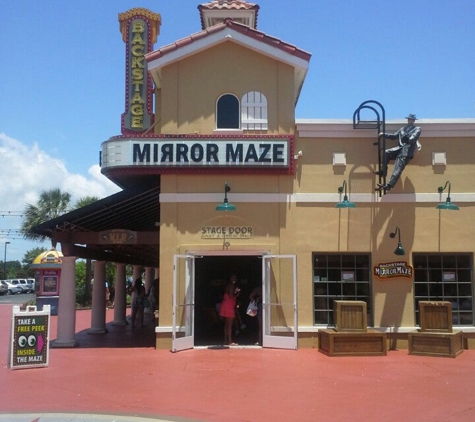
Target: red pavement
[121, 373]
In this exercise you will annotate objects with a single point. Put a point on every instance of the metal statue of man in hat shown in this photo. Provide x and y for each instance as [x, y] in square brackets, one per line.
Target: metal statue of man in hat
[408, 137]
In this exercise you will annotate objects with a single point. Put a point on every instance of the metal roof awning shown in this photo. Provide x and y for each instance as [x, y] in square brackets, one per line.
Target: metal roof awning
[134, 210]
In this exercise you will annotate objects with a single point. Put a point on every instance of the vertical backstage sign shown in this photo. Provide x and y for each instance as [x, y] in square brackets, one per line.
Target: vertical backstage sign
[139, 29]
[30, 337]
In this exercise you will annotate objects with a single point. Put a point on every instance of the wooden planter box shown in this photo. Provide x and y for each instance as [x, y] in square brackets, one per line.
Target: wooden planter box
[350, 316]
[435, 337]
[436, 344]
[435, 316]
[368, 343]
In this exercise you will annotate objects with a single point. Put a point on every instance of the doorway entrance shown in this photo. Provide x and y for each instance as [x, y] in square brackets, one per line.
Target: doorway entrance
[212, 273]
[198, 283]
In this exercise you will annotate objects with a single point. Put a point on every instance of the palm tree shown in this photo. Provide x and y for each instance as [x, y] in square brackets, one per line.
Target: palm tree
[85, 200]
[51, 204]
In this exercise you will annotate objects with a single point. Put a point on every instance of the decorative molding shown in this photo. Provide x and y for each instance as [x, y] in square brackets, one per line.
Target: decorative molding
[316, 198]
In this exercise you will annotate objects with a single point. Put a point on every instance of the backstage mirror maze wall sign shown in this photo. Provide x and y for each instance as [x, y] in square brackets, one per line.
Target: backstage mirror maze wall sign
[30, 337]
[386, 270]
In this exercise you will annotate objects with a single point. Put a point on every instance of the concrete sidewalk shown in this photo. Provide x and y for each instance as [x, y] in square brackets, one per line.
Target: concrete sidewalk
[119, 376]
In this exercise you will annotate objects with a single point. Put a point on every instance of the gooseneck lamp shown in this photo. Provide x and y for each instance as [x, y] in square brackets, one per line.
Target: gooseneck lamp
[345, 203]
[447, 205]
[226, 206]
[399, 250]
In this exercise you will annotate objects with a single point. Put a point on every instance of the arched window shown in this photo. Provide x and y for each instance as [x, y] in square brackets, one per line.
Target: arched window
[227, 113]
[254, 111]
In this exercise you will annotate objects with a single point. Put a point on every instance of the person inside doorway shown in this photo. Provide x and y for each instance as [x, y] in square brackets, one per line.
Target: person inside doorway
[256, 295]
[138, 302]
[238, 320]
[154, 297]
[227, 310]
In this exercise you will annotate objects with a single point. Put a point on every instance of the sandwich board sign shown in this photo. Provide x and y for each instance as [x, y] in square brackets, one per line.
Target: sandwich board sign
[30, 337]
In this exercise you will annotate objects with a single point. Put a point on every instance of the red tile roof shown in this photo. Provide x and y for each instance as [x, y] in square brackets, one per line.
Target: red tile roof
[220, 5]
[229, 23]
[229, 5]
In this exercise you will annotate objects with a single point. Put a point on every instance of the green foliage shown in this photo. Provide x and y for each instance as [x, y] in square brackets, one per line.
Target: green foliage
[82, 298]
[51, 204]
[31, 254]
[13, 269]
[85, 200]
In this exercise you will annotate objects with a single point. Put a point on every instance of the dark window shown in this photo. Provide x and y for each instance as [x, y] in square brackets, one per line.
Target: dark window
[339, 277]
[227, 112]
[445, 277]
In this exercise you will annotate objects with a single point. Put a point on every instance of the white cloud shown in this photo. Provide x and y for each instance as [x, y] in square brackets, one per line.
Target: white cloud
[25, 172]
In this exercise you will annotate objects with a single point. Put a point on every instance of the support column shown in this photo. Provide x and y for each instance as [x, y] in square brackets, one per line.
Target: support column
[136, 273]
[67, 305]
[98, 314]
[148, 278]
[119, 297]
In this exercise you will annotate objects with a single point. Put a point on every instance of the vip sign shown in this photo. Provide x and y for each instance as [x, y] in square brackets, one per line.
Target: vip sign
[118, 237]
[393, 269]
[30, 337]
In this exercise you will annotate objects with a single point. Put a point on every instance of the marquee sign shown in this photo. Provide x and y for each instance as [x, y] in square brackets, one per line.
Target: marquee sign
[393, 269]
[199, 152]
[139, 29]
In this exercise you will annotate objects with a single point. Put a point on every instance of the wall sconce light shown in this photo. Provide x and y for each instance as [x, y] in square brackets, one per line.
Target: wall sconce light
[226, 206]
[447, 205]
[399, 250]
[345, 203]
[298, 155]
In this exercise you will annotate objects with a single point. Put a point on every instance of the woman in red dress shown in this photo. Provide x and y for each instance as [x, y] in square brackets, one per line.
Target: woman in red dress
[227, 311]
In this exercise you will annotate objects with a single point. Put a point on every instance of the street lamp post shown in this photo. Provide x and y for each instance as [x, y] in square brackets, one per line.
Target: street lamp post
[5, 261]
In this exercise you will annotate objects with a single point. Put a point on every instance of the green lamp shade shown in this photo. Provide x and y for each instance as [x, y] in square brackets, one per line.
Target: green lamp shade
[345, 203]
[225, 206]
[399, 250]
[447, 206]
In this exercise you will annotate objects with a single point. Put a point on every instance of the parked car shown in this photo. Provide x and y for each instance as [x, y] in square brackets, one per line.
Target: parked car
[13, 289]
[22, 283]
[31, 284]
[3, 288]
[26, 286]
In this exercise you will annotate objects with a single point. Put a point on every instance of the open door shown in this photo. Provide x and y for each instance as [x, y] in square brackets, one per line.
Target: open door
[183, 302]
[279, 301]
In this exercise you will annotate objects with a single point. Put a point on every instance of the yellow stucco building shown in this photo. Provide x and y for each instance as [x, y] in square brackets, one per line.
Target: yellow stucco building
[217, 109]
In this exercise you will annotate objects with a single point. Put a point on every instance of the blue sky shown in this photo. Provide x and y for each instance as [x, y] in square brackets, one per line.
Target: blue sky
[63, 72]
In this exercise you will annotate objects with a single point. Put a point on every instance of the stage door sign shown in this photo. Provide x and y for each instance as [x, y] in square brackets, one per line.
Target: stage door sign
[30, 337]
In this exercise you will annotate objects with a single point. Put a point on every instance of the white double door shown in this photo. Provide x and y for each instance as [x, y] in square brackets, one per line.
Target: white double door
[279, 301]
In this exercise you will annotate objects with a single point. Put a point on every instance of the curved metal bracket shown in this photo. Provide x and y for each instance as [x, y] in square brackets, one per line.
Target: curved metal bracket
[379, 123]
